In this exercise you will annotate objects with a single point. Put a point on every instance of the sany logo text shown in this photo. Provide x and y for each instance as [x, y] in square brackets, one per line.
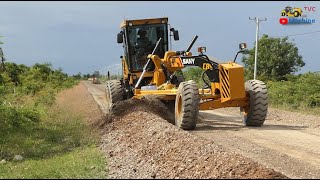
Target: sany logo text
[188, 61]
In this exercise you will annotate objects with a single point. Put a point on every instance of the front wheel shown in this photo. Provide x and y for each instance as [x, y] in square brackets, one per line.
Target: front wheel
[187, 105]
[256, 112]
[114, 93]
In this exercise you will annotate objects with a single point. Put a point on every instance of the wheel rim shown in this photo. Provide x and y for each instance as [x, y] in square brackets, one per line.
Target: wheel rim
[179, 111]
[245, 111]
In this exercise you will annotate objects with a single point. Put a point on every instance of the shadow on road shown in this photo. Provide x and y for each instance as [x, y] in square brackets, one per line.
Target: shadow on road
[209, 121]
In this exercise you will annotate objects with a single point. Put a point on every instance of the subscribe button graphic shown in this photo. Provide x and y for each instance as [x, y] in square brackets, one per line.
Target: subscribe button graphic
[295, 15]
[283, 21]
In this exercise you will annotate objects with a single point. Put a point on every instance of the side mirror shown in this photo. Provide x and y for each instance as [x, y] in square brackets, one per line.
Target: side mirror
[242, 46]
[120, 38]
[176, 35]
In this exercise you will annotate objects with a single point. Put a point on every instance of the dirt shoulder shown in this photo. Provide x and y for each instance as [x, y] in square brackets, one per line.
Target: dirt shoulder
[78, 99]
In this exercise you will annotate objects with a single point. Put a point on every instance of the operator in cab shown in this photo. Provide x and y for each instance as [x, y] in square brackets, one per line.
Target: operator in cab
[143, 48]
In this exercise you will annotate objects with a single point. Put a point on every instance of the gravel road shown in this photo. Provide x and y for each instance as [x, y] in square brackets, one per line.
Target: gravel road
[143, 145]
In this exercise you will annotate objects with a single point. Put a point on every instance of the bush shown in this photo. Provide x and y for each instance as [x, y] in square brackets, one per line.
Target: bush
[46, 97]
[17, 116]
[28, 89]
[299, 92]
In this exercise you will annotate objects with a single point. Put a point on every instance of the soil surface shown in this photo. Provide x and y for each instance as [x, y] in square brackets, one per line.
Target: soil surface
[139, 142]
[80, 100]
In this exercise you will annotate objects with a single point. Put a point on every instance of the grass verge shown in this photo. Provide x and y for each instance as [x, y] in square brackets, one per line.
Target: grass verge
[83, 162]
[61, 145]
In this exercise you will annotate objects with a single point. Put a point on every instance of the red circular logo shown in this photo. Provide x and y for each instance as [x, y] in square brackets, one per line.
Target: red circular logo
[283, 21]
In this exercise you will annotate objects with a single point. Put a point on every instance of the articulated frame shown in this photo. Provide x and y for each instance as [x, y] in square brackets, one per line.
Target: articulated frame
[208, 101]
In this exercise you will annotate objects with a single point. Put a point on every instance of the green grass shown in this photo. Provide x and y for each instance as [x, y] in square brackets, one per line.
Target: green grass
[79, 163]
[61, 145]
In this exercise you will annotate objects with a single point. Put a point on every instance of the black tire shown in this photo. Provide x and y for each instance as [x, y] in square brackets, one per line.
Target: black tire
[256, 113]
[187, 105]
[296, 14]
[114, 93]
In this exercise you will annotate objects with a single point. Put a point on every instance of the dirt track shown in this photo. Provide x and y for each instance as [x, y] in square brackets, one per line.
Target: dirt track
[287, 142]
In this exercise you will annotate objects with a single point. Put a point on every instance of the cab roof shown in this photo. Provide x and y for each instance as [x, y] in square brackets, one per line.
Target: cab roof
[125, 23]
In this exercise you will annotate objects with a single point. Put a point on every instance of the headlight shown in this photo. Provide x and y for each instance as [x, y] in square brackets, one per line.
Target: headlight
[202, 49]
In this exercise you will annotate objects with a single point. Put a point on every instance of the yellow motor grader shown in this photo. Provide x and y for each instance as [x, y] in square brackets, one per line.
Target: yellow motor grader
[291, 12]
[152, 70]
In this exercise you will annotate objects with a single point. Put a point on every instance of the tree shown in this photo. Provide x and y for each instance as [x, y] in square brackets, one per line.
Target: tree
[14, 71]
[78, 76]
[42, 70]
[96, 74]
[277, 58]
[195, 73]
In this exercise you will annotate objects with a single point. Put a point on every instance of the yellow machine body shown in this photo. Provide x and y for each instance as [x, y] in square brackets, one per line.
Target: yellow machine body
[230, 88]
[231, 85]
[231, 82]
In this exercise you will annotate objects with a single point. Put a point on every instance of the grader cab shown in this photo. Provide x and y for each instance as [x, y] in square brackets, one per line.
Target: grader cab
[152, 70]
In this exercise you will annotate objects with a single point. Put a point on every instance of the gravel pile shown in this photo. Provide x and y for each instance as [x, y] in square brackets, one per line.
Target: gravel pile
[140, 143]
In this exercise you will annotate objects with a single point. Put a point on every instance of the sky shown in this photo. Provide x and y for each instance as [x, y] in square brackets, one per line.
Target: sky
[80, 36]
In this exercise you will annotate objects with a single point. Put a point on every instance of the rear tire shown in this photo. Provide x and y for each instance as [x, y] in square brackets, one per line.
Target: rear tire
[114, 93]
[256, 113]
[187, 105]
